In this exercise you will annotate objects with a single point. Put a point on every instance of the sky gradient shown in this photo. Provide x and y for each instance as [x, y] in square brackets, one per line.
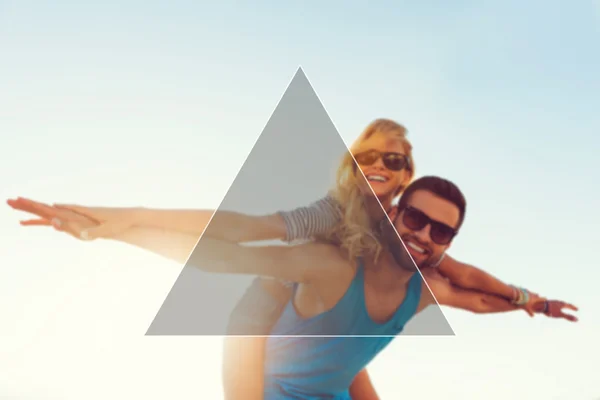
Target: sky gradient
[158, 104]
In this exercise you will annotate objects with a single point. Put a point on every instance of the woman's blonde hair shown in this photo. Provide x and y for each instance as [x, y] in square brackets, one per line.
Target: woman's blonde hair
[356, 233]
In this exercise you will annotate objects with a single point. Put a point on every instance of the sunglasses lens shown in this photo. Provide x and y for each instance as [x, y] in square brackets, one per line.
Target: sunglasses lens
[367, 158]
[394, 162]
[441, 234]
[414, 219]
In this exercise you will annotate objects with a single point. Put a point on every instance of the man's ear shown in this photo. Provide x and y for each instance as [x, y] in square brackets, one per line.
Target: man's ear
[393, 214]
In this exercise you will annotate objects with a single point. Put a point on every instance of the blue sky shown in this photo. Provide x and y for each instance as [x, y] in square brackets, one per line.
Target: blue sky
[133, 103]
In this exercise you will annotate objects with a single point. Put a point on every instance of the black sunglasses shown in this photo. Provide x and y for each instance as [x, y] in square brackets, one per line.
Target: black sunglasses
[415, 220]
[392, 161]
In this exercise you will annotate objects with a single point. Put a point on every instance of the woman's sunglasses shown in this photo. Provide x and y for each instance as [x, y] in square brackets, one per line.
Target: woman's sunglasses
[416, 220]
[392, 161]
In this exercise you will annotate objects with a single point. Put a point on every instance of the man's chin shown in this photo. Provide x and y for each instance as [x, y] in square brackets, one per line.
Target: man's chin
[419, 258]
[422, 263]
[409, 267]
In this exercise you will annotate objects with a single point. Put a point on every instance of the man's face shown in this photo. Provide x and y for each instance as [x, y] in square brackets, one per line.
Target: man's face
[427, 226]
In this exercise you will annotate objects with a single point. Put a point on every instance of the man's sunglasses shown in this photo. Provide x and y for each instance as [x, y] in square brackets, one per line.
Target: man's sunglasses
[416, 220]
[392, 161]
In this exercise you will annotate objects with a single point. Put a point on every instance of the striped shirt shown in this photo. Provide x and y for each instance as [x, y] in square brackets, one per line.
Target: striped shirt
[307, 222]
[304, 223]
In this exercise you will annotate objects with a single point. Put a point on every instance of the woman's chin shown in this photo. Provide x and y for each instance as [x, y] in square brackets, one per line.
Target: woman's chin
[381, 192]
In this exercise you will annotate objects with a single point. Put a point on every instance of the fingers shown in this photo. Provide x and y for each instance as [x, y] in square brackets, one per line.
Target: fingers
[24, 204]
[530, 312]
[571, 307]
[561, 304]
[568, 317]
[93, 213]
[35, 222]
[556, 310]
[72, 207]
[33, 207]
[21, 201]
[63, 220]
[18, 204]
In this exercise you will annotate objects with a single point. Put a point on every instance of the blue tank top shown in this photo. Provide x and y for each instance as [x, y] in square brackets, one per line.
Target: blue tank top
[310, 368]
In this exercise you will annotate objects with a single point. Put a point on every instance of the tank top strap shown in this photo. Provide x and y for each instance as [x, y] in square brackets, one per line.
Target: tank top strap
[409, 306]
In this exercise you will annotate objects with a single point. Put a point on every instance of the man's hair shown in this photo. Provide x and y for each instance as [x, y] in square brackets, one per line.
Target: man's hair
[440, 187]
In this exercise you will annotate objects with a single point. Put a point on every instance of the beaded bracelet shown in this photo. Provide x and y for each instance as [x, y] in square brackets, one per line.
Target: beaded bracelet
[525, 296]
[522, 296]
[515, 295]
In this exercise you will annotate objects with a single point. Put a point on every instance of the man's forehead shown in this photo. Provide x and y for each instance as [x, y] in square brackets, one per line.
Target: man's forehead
[435, 207]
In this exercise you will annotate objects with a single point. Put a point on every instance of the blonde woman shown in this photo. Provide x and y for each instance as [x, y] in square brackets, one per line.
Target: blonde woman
[348, 216]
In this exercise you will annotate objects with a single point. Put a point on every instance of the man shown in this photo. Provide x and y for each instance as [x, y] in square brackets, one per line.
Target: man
[336, 296]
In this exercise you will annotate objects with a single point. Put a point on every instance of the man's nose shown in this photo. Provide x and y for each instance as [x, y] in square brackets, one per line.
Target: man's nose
[424, 234]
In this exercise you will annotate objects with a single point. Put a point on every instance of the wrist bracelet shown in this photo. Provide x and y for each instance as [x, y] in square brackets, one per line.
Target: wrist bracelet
[522, 296]
[546, 307]
[516, 296]
[525, 299]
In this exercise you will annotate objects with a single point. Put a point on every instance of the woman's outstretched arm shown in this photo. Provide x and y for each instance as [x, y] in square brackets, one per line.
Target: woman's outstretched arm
[300, 223]
[173, 245]
[171, 233]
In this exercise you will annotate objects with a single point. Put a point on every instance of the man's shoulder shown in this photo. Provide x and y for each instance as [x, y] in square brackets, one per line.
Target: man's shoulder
[437, 284]
[433, 274]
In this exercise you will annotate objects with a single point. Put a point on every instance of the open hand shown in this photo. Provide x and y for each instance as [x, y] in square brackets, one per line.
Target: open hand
[111, 221]
[85, 223]
[62, 220]
[556, 310]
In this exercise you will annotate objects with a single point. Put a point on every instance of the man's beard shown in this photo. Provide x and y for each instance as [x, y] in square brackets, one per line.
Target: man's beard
[395, 245]
[404, 260]
[401, 256]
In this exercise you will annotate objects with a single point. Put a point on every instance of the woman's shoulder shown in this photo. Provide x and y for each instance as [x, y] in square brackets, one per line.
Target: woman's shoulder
[328, 201]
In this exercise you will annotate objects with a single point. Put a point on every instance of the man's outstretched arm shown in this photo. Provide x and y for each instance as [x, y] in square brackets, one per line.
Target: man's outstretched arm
[450, 295]
[482, 303]
[470, 277]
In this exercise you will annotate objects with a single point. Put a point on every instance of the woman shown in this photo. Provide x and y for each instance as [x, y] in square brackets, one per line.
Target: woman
[345, 216]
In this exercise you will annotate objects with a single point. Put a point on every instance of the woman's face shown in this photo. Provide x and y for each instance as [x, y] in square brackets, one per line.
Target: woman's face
[383, 162]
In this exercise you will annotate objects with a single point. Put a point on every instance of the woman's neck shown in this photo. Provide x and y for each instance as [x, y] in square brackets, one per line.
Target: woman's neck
[375, 205]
